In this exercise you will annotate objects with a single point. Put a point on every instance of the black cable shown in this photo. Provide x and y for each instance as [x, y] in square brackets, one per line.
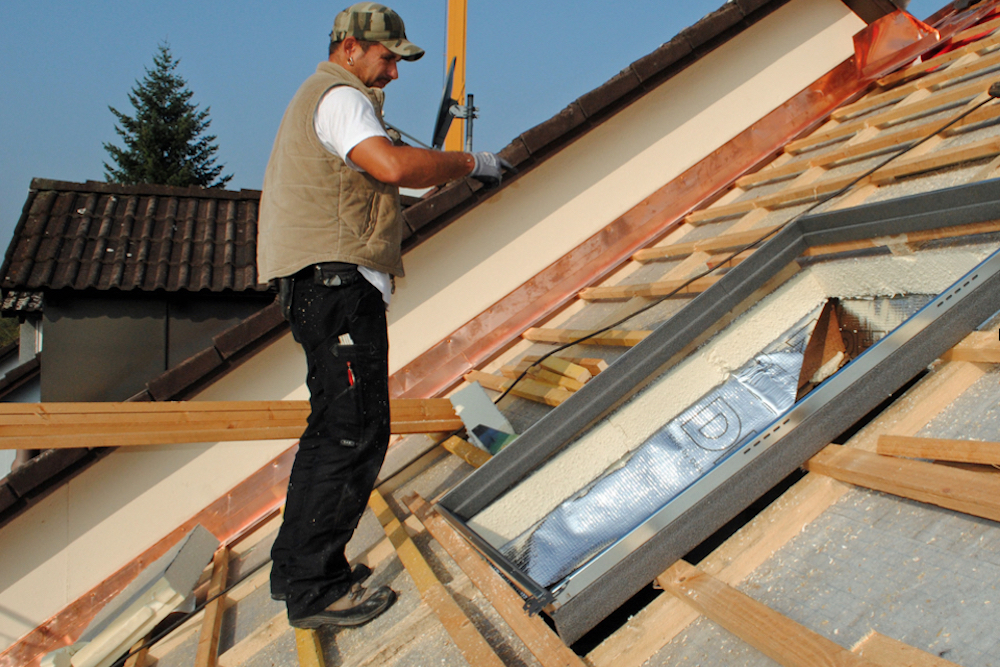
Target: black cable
[994, 93]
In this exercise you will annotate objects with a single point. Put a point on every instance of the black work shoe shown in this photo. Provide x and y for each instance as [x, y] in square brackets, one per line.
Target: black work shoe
[359, 573]
[361, 613]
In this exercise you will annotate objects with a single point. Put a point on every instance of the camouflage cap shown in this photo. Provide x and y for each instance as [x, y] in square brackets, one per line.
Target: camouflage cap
[372, 22]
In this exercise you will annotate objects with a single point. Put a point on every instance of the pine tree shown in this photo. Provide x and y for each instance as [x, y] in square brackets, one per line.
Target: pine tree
[163, 141]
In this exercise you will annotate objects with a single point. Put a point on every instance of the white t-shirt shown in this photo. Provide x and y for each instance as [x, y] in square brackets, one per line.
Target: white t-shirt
[345, 118]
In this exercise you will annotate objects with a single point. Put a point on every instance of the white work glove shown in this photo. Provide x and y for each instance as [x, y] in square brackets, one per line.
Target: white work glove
[489, 168]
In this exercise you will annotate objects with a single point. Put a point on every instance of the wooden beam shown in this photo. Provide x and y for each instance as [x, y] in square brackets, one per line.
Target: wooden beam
[911, 237]
[466, 451]
[594, 365]
[309, 649]
[888, 652]
[649, 290]
[139, 653]
[716, 244]
[514, 371]
[776, 636]
[980, 346]
[532, 630]
[614, 337]
[474, 648]
[72, 425]
[977, 494]
[531, 390]
[207, 654]
[940, 449]
[939, 159]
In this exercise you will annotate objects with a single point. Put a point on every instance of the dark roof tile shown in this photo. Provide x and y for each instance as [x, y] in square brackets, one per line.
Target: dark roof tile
[516, 152]
[264, 322]
[713, 25]
[549, 133]
[8, 499]
[659, 60]
[610, 93]
[183, 376]
[41, 469]
[447, 198]
[103, 236]
[20, 374]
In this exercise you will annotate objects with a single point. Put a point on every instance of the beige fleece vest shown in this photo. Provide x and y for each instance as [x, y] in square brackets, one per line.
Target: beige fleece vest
[314, 208]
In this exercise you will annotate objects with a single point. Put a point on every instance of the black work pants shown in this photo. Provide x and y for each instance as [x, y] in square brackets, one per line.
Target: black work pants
[341, 451]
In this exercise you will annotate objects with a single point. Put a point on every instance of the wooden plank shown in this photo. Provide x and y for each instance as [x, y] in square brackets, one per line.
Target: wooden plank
[980, 346]
[466, 451]
[650, 290]
[531, 390]
[309, 649]
[532, 630]
[514, 371]
[402, 408]
[594, 365]
[978, 29]
[614, 337]
[912, 237]
[713, 245]
[940, 449]
[776, 636]
[947, 157]
[139, 653]
[888, 652]
[256, 641]
[207, 654]
[566, 368]
[977, 494]
[474, 648]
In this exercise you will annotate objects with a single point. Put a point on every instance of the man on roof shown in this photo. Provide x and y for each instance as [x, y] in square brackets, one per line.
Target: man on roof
[330, 229]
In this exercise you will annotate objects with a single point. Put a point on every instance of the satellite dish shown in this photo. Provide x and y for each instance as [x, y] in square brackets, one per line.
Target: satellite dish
[445, 115]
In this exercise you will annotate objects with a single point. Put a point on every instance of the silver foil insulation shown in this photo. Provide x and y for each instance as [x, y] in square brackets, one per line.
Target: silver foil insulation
[689, 445]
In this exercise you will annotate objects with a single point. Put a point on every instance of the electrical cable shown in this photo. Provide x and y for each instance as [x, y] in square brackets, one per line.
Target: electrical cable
[994, 93]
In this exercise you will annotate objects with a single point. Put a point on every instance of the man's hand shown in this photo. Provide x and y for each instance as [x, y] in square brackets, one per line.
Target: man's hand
[489, 169]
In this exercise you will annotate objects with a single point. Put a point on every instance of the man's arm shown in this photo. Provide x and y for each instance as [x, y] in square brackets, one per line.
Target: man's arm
[410, 167]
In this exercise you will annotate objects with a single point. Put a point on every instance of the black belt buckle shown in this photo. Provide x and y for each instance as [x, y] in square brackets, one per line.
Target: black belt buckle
[335, 274]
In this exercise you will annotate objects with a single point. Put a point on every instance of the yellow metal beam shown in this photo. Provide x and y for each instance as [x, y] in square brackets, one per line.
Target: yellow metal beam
[457, 10]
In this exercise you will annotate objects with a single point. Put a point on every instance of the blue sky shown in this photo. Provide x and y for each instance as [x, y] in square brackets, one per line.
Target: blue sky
[64, 63]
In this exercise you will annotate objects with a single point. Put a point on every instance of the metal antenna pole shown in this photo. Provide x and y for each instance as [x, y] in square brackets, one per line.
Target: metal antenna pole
[468, 123]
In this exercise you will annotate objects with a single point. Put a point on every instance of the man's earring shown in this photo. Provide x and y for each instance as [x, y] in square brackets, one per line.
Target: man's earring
[350, 61]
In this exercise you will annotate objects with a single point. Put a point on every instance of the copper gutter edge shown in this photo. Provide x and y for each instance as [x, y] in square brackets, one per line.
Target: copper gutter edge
[228, 518]
[443, 365]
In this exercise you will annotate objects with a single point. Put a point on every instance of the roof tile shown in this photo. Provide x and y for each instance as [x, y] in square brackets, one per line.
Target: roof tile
[713, 25]
[183, 376]
[7, 498]
[445, 199]
[610, 93]
[104, 236]
[551, 131]
[659, 60]
[262, 323]
[42, 468]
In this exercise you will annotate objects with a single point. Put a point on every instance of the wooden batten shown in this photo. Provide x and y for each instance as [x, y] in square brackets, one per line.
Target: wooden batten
[776, 636]
[463, 632]
[532, 630]
[615, 338]
[940, 449]
[976, 494]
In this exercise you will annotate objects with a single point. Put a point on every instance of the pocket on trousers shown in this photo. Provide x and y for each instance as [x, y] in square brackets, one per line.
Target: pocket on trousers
[348, 406]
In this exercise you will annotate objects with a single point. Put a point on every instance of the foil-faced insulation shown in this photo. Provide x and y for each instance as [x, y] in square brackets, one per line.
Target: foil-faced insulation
[690, 444]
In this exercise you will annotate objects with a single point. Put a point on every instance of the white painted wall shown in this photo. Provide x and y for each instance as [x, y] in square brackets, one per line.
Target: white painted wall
[494, 248]
[99, 521]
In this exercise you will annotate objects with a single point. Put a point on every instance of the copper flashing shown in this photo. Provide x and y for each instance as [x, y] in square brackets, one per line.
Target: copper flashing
[485, 335]
[894, 37]
[250, 502]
